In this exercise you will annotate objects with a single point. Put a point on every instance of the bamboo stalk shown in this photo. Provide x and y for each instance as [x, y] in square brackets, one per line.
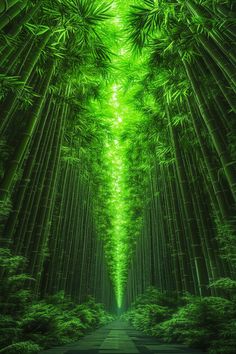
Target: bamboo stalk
[20, 150]
[14, 10]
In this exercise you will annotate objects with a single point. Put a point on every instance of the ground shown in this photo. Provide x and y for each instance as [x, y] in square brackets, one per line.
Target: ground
[119, 337]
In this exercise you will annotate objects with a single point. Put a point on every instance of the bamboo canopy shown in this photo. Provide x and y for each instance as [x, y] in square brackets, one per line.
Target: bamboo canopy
[118, 149]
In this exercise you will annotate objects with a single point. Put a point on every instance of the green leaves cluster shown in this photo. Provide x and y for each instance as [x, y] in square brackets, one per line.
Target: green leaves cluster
[28, 325]
[206, 323]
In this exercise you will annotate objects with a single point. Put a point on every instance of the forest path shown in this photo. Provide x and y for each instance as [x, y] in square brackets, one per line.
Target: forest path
[118, 337]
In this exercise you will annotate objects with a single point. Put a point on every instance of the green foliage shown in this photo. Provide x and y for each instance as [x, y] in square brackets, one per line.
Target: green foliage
[150, 308]
[226, 342]
[14, 296]
[197, 323]
[71, 330]
[85, 315]
[58, 320]
[226, 237]
[39, 324]
[226, 284]
[153, 295]
[5, 209]
[21, 348]
[9, 330]
[206, 323]
[29, 324]
[9, 83]
[146, 316]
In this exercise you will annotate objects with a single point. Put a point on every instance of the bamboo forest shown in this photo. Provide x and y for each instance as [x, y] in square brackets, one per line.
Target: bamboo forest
[117, 176]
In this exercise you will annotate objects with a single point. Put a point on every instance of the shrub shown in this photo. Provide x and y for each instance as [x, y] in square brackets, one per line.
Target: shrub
[146, 316]
[156, 296]
[40, 324]
[226, 287]
[206, 323]
[71, 330]
[198, 323]
[9, 330]
[54, 320]
[21, 348]
[13, 297]
[226, 341]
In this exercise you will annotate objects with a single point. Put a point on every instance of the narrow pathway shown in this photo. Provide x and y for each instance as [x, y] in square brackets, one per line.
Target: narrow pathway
[118, 337]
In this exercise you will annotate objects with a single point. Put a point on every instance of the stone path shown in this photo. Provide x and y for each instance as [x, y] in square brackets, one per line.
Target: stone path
[118, 337]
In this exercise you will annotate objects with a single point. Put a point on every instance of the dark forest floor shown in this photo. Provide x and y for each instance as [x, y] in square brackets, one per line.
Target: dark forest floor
[119, 337]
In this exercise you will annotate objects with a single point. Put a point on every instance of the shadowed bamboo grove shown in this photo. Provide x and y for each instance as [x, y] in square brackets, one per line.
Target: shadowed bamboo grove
[117, 170]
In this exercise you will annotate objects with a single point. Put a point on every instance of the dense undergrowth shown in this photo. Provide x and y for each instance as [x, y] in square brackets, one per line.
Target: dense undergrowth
[207, 323]
[28, 325]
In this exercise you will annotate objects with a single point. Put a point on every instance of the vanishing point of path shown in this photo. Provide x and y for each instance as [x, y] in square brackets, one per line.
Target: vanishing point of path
[119, 337]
